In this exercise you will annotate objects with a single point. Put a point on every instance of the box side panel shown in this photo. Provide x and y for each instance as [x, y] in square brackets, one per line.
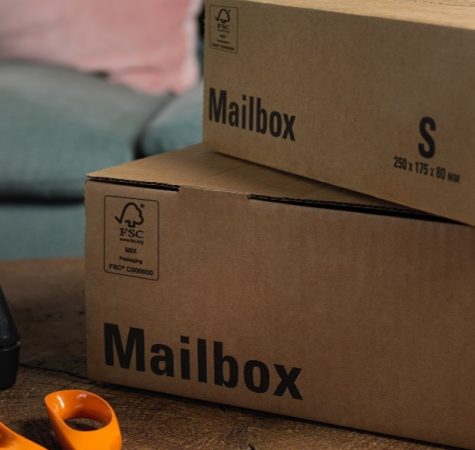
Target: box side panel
[355, 320]
[373, 105]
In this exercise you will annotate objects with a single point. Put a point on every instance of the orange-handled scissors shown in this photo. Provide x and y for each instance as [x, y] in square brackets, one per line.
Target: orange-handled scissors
[65, 405]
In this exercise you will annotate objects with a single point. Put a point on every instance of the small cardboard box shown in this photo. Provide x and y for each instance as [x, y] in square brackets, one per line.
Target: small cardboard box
[371, 95]
[217, 279]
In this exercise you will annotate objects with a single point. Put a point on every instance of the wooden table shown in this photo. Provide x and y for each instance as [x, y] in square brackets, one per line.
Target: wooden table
[47, 301]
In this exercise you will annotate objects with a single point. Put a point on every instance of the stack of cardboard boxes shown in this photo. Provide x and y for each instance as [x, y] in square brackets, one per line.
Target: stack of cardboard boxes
[220, 279]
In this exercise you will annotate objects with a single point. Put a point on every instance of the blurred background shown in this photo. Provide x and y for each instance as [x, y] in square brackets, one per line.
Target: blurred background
[87, 84]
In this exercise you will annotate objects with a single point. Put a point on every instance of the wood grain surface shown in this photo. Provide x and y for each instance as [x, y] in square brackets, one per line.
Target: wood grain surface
[47, 299]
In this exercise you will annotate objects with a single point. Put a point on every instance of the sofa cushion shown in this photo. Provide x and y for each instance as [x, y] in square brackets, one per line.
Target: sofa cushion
[178, 125]
[57, 124]
[41, 230]
[146, 44]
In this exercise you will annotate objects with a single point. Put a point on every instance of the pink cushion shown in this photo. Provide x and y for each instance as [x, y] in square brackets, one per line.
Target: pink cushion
[147, 44]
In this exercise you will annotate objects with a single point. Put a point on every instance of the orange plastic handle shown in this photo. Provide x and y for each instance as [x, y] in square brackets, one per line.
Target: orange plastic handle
[65, 405]
[9, 440]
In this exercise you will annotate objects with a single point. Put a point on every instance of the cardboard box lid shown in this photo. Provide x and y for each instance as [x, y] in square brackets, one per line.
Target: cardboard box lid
[200, 168]
[450, 13]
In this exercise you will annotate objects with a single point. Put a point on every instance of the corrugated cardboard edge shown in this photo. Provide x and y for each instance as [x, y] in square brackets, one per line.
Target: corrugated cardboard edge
[361, 208]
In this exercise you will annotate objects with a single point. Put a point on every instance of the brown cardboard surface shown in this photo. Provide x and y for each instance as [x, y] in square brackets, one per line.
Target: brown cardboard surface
[364, 84]
[376, 311]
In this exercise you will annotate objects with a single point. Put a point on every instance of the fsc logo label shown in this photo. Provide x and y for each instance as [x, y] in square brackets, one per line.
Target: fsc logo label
[131, 237]
[223, 28]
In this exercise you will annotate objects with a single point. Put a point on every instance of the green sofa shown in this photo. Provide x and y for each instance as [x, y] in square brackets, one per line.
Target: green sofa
[56, 125]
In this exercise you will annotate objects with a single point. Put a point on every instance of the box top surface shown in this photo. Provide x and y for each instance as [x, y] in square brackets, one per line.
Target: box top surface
[450, 13]
[199, 168]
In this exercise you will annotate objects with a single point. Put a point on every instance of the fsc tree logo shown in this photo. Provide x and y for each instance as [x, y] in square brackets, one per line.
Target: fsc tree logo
[223, 18]
[131, 215]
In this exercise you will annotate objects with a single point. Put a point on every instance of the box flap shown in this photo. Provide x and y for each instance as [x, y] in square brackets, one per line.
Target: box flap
[198, 167]
[450, 13]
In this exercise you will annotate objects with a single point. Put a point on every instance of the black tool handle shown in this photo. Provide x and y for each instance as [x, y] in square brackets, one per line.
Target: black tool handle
[9, 345]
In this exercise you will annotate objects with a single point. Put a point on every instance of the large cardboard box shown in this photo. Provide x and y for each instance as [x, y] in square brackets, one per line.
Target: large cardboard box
[217, 279]
[377, 96]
